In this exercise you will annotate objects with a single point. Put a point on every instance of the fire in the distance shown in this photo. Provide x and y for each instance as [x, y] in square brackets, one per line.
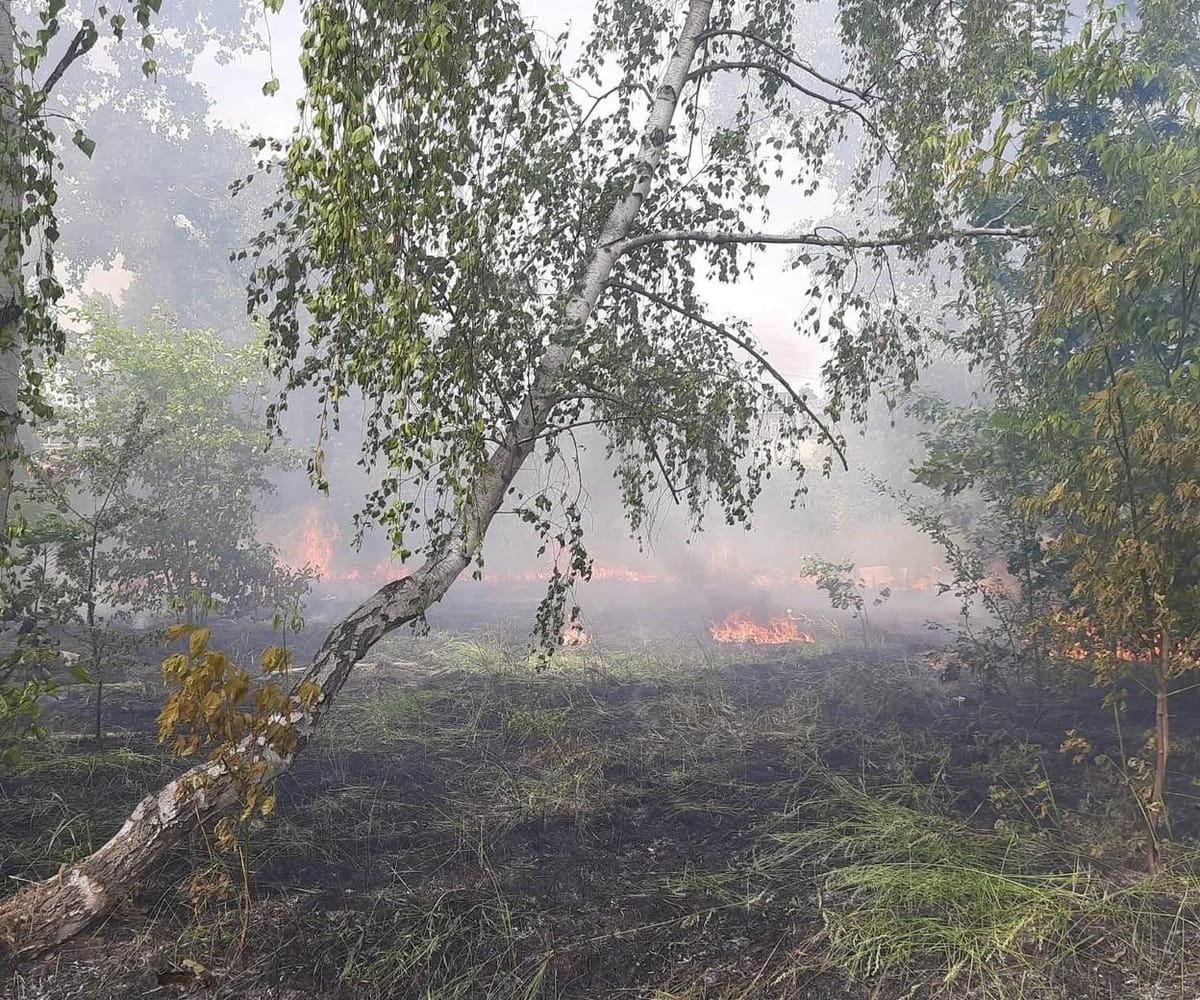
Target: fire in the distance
[315, 547]
[1151, 652]
[739, 627]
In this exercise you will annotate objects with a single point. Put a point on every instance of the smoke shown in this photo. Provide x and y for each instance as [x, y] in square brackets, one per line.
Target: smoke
[668, 579]
[668, 574]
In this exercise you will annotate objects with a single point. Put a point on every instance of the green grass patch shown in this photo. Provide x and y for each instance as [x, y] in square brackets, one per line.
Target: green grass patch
[907, 896]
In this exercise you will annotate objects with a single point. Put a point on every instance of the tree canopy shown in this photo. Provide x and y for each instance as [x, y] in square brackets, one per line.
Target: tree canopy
[486, 248]
[445, 204]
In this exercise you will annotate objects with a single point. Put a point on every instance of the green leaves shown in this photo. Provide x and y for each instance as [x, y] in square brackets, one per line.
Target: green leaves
[1089, 467]
[1106, 165]
[426, 165]
[172, 413]
[86, 146]
[30, 220]
[444, 198]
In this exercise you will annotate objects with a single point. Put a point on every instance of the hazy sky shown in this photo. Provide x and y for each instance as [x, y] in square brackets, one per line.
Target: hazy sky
[770, 301]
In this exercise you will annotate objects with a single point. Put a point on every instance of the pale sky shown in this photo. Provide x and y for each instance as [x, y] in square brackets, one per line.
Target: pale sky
[770, 301]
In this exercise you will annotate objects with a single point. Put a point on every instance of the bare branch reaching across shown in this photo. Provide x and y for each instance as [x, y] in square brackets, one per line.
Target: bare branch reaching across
[790, 59]
[746, 346]
[82, 43]
[835, 242]
[791, 81]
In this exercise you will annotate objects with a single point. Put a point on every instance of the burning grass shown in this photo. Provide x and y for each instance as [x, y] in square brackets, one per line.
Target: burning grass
[778, 823]
[740, 627]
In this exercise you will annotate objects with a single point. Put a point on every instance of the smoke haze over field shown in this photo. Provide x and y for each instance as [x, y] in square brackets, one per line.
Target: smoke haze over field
[841, 518]
[575, 498]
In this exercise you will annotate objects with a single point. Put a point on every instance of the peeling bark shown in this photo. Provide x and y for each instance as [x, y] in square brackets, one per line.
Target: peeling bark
[42, 916]
[10, 265]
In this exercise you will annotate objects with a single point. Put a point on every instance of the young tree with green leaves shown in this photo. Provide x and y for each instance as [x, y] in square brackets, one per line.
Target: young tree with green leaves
[978, 458]
[1091, 344]
[33, 61]
[186, 546]
[846, 592]
[491, 254]
[142, 494]
[81, 485]
[58, 103]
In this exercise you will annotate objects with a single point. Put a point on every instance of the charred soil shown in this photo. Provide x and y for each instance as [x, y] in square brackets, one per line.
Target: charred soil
[794, 822]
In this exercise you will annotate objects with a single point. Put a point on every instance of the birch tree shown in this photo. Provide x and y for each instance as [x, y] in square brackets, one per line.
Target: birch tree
[31, 65]
[491, 249]
[33, 62]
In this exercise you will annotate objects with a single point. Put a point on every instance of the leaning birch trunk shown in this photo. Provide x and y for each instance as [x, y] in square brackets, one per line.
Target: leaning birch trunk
[10, 263]
[44, 915]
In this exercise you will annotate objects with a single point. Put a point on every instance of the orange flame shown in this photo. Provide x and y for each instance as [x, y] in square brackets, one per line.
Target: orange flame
[603, 571]
[780, 578]
[600, 571]
[1080, 651]
[315, 548]
[738, 626]
[1086, 651]
[892, 577]
[1090, 644]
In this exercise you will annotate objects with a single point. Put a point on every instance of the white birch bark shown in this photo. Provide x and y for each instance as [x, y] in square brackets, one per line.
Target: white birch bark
[44, 915]
[10, 263]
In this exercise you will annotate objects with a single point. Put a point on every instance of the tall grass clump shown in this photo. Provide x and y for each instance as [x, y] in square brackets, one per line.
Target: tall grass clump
[908, 896]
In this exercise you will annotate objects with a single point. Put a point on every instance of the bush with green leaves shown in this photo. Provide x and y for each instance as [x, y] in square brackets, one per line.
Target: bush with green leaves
[184, 542]
[1089, 344]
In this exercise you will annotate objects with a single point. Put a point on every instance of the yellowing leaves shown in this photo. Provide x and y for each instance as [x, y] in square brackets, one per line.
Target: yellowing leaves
[174, 667]
[214, 706]
[225, 835]
[198, 641]
[308, 694]
[1187, 492]
[275, 659]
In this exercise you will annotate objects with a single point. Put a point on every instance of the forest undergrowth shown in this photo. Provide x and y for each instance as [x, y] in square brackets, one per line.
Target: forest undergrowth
[669, 823]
